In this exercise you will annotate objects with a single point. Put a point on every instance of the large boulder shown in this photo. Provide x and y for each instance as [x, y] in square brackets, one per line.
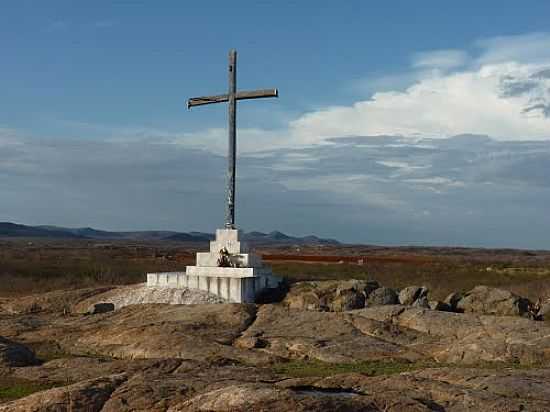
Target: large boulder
[347, 299]
[493, 301]
[544, 311]
[101, 307]
[411, 294]
[14, 354]
[370, 286]
[382, 296]
[438, 305]
[304, 297]
[421, 302]
[335, 296]
[452, 300]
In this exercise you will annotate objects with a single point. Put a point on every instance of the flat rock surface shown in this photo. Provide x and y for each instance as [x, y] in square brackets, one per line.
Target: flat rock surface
[180, 385]
[263, 333]
[471, 338]
[56, 301]
[330, 336]
[162, 331]
[142, 294]
[159, 357]
[88, 395]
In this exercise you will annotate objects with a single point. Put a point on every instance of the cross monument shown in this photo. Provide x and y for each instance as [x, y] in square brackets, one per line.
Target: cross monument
[229, 270]
[231, 97]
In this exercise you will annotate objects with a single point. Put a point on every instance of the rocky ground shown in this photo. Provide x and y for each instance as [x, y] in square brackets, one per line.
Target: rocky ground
[344, 346]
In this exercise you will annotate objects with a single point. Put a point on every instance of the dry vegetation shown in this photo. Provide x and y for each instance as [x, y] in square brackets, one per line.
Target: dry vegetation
[29, 266]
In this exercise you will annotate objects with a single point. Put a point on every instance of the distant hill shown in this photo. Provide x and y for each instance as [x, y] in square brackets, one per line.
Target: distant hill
[14, 230]
[8, 229]
[280, 238]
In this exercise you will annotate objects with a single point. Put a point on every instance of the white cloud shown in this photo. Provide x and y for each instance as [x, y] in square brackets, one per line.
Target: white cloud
[501, 90]
[440, 59]
[364, 190]
[531, 48]
[440, 105]
[497, 92]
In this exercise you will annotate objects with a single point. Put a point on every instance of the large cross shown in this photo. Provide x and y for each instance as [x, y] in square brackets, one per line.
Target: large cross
[232, 96]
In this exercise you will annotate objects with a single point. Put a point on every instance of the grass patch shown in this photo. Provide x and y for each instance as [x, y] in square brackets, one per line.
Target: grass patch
[45, 265]
[12, 388]
[315, 368]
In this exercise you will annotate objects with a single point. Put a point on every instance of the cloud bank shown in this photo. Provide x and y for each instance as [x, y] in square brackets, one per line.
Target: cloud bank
[500, 88]
[459, 155]
[465, 190]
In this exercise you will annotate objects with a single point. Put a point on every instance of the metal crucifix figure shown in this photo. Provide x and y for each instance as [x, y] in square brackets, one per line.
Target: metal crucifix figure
[231, 97]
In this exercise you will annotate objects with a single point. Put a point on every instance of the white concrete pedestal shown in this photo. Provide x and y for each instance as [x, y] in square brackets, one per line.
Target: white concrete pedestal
[240, 283]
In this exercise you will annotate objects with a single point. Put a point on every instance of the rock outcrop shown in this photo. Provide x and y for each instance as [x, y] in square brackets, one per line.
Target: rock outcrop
[189, 386]
[59, 301]
[544, 311]
[493, 301]
[334, 296]
[90, 395]
[141, 294]
[452, 300]
[101, 307]
[262, 397]
[470, 338]
[382, 296]
[159, 357]
[14, 354]
[410, 295]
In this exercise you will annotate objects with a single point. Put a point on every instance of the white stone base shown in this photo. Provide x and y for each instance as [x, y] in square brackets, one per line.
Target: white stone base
[240, 283]
[222, 282]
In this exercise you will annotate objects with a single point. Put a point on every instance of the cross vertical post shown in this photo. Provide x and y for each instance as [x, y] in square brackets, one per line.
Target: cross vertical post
[232, 134]
[231, 98]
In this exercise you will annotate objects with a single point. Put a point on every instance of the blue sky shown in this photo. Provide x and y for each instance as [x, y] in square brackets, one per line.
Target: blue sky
[94, 130]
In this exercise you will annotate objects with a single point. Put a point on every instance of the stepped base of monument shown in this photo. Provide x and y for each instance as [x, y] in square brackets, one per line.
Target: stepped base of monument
[238, 285]
[229, 270]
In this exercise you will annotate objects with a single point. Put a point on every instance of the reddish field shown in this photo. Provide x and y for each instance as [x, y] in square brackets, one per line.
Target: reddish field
[356, 259]
[34, 265]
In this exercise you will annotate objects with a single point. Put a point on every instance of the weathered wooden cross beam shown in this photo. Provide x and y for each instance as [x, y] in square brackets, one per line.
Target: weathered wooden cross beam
[222, 98]
[231, 97]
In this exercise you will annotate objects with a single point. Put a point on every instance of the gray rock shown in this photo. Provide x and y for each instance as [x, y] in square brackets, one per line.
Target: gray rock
[102, 307]
[370, 286]
[421, 302]
[14, 354]
[438, 305]
[382, 296]
[410, 294]
[347, 299]
[544, 311]
[453, 299]
[330, 295]
[493, 301]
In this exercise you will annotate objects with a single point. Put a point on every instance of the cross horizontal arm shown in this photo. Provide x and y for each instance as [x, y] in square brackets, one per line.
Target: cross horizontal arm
[244, 95]
[257, 94]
